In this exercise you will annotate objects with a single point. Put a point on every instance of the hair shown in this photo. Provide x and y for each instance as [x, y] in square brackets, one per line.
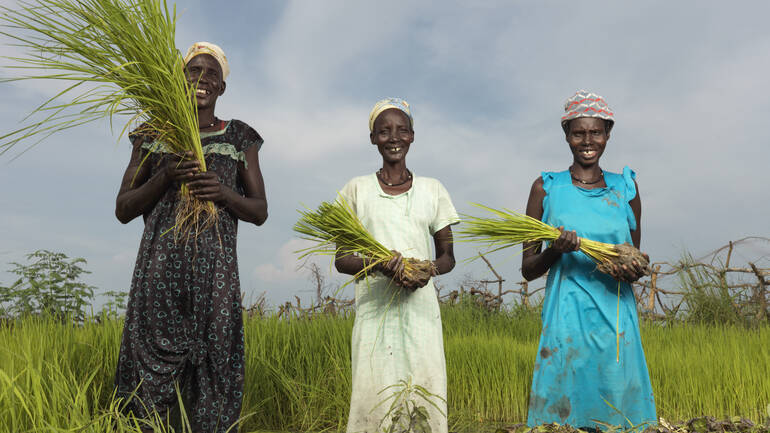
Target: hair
[608, 124]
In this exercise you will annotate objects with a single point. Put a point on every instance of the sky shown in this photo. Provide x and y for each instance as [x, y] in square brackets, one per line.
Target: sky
[486, 80]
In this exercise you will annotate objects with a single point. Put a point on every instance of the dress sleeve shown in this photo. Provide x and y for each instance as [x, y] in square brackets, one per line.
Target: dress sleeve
[349, 194]
[141, 132]
[548, 179]
[247, 136]
[446, 214]
[630, 187]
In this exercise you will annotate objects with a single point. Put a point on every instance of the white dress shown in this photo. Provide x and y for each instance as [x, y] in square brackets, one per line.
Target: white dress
[397, 335]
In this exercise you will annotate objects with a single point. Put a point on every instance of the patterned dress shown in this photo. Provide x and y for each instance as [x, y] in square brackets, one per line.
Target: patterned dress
[578, 378]
[183, 323]
[397, 335]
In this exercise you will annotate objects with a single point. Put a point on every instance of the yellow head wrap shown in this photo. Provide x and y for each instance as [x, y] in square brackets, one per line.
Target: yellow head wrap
[387, 103]
[212, 50]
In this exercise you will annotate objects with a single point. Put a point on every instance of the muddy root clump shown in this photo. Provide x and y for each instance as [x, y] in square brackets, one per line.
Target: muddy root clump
[415, 269]
[627, 254]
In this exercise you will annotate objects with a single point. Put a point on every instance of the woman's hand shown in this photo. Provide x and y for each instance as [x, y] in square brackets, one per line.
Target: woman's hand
[206, 186]
[182, 169]
[567, 241]
[393, 268]
[631, 273]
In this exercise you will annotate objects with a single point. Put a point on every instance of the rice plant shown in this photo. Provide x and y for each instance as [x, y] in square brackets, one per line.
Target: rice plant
[512, 228]
[57, 377]
[113, 57]
[336, 229]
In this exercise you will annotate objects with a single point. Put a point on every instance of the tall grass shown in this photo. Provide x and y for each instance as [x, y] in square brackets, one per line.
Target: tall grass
[719, 370]
[56, 377]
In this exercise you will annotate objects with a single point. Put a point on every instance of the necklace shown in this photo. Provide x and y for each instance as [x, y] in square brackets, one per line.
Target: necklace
[408, 178]
[209, 125]
[572, 175]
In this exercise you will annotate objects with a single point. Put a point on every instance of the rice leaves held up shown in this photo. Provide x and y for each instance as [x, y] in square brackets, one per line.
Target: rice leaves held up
[113, 57]
[512, 228]
[336, 229]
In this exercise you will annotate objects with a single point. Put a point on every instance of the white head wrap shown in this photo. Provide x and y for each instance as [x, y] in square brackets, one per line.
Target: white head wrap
[212, 50]
[388, 103]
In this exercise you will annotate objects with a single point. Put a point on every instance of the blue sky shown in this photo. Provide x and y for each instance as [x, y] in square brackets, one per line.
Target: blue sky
[487, 80]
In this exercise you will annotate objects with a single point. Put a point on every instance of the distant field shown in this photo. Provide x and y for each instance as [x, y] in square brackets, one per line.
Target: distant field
[56, 377]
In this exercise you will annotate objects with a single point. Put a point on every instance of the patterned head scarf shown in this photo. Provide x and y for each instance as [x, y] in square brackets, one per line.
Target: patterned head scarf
[387, 103]
[212, 50]
[586, 104]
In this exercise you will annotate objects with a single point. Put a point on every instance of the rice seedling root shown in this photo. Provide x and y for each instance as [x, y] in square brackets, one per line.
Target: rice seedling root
[625, 254]
[415, 269]
[193, 217]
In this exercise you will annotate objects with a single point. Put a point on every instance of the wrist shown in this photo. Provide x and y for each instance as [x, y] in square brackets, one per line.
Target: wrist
[551, 252]
[165, 177]
[229, 196]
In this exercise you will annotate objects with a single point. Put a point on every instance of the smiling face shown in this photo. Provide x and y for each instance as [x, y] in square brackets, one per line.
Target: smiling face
[204, 70]
[587, 138]
[392, 134]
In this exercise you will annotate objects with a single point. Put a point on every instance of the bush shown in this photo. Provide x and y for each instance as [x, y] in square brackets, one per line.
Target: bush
[50, 284]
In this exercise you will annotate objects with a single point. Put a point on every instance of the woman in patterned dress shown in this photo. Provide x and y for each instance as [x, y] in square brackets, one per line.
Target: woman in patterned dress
[183, 324]
[583, 376]
[397, 332]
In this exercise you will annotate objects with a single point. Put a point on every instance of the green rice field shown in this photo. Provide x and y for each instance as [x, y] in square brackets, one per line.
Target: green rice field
[58, 377]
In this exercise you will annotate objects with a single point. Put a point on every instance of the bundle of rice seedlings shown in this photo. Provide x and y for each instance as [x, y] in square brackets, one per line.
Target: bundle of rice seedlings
[512, 228]
[114, 57]
[336, 229]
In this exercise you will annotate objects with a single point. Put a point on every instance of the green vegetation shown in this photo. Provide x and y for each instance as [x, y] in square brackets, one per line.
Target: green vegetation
[508, 228]
[336, 229]
[56, 376]
[50, 285]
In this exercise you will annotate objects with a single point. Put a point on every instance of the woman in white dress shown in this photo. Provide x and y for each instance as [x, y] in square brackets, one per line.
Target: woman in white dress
[397, 332]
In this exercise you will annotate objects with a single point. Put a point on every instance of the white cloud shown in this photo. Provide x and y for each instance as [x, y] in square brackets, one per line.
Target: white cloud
[486, 80]
[286, 267]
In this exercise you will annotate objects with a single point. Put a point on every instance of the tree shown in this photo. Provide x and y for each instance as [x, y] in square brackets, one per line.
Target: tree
[50, 284]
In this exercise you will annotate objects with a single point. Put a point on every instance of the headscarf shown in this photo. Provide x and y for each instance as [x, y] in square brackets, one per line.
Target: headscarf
[387, 103]
[212, 50]
[586, 104]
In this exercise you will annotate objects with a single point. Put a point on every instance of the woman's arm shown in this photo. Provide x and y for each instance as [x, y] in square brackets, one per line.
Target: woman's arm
[636, 271]
[445, 255]
[534, 262]
[636, 206]
[252, 206]
[139, 191]
[445, 258]
[445, 261]
[351, 265]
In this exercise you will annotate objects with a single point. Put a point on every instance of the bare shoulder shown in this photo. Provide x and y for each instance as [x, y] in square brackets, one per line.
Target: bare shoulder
[538, 186]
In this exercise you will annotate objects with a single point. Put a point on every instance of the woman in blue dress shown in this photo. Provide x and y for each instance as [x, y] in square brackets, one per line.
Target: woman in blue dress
[590, 369]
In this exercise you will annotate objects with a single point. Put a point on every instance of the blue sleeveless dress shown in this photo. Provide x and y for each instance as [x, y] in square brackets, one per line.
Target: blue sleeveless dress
[576, 375]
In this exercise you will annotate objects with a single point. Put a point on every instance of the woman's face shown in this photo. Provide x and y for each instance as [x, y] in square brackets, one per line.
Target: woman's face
[587, 139]
[392, 134]
[204, 70]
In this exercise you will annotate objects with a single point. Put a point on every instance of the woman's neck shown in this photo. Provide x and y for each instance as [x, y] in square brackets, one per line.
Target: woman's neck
[206, 119]
[393, 173]
[586, 176]
[394, 178]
